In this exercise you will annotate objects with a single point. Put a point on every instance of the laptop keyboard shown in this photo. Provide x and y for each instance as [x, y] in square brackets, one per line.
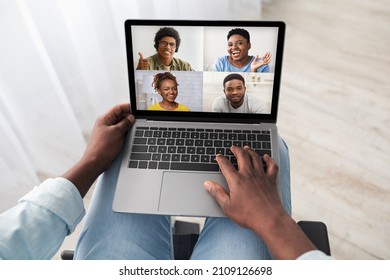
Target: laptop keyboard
[190, 148]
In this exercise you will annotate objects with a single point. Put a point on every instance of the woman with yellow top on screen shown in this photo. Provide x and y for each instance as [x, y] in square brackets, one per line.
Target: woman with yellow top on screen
[166, 85]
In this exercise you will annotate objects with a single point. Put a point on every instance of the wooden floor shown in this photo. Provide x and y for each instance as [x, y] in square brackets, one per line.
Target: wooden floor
[335, 117]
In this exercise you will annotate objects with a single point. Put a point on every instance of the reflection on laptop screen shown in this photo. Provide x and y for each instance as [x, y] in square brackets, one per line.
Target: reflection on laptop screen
[205, 68]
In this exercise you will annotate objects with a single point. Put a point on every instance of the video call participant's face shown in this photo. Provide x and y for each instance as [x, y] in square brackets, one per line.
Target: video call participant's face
[235, 92]
[166, 47]
[238, 47]
[168, 91]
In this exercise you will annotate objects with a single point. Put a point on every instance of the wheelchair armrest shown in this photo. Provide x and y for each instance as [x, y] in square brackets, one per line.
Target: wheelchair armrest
[67, 255]
[317, 233]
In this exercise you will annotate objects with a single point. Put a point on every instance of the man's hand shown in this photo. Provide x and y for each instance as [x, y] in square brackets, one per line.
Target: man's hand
[253, 193]
[107, 137]
[142, 62]
[253, 202]
[257, 63]
[106, 141]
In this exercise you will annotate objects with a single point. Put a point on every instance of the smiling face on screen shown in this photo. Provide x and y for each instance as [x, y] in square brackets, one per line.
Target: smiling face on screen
[235, 91]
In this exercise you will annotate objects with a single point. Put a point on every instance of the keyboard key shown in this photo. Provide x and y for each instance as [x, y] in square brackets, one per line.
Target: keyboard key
[222, 136]
[227, 144]
[143, 164]
[237, 143]
[167, 134]
[205, 158]
[139, 148]
[194, 166]
[166, 157]
[220, 151]
[191, 150]
[204, 135]
[139, 133]
[175, 157]
[263, 152]
[251, 137]
[261, 137]
[266, 145]
[176, 134]
[140, 156]
[152, 149]
[232, 136]
[195, 135]
[213, 135]
[199, 143]
[139, 140]
[256, 145]
[185, 158]
[152, 165]
[162, 149]
[163, 165]
[185, 134]
[195, 158]
[208, 143]
[218, 143]
[156, 157]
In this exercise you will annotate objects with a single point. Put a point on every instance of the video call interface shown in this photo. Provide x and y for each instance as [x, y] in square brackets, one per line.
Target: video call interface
[202, 75]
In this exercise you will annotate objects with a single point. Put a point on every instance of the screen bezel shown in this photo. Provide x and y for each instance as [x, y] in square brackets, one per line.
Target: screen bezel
[206, 116]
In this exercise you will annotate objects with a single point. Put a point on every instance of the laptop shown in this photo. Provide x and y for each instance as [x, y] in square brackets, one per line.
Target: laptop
[169, 153]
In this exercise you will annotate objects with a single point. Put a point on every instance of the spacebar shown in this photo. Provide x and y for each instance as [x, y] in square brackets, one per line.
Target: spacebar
[194, 166]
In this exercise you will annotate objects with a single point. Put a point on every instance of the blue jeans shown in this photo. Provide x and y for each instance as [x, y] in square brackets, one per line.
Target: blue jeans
[111, 235]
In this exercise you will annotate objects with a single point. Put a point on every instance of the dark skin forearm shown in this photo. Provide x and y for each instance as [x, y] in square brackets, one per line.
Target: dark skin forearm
[284, 238]
[83, 174]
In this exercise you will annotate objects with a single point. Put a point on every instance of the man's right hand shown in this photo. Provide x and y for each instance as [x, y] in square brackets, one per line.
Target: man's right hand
[253, 195]
[142, 62]
[253, 202]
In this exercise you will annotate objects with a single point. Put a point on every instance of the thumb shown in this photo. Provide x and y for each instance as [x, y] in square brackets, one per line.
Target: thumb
[217, 192]
[125, 123]
[141, 56]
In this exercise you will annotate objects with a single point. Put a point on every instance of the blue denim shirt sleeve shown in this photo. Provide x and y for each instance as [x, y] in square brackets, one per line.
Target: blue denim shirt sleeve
[36, 227]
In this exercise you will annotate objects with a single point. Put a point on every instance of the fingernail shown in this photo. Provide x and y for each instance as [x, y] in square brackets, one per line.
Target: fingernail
[207, 185]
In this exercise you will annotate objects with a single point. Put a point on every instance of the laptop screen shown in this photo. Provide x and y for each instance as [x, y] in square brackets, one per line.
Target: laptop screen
[200, 69]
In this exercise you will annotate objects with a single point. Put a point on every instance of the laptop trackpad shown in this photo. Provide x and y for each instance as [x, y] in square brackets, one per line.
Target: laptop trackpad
[183, 193]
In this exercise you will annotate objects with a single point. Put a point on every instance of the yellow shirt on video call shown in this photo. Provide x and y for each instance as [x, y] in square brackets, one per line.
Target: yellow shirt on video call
[157, 107]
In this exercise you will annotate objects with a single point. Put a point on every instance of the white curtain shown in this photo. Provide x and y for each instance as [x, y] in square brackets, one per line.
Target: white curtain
[62, 63]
